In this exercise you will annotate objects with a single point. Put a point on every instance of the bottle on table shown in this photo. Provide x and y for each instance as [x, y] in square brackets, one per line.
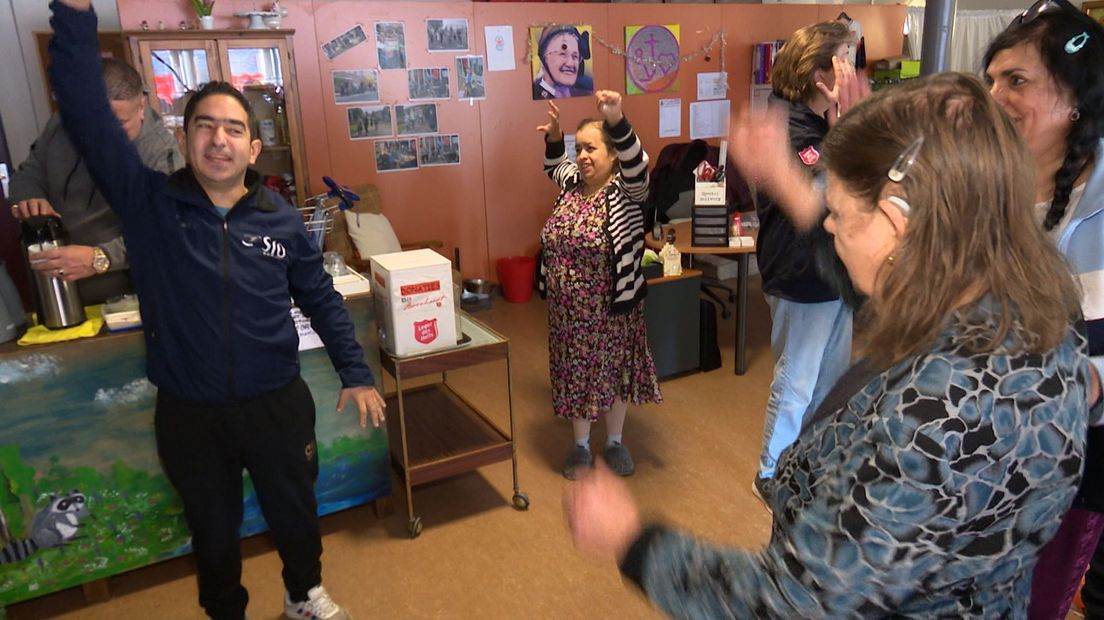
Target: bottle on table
[672, 258]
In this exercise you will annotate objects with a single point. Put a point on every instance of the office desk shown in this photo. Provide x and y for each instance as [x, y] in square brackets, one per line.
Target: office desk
[672, 314]
[682, 242]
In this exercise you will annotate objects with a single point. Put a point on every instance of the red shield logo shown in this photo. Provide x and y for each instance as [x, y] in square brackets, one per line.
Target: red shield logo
[809, 156]
[425, 332]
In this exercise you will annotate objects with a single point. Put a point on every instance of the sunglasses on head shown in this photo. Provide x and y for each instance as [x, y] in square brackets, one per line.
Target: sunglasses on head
[1042, 7]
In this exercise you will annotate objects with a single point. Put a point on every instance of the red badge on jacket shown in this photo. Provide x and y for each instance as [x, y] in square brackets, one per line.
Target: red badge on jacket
[809, 156]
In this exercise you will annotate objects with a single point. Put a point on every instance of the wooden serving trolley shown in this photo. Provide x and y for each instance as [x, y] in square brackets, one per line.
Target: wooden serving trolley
[441, 433]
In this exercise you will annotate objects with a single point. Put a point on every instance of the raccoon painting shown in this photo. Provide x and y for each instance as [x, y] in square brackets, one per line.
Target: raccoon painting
[53, 526]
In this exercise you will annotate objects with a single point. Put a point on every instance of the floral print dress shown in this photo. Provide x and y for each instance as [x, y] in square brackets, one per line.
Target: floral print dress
[594, 356]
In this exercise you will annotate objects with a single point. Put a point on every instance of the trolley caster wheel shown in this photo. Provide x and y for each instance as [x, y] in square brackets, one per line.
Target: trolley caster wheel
[415, 527]
[521, 501]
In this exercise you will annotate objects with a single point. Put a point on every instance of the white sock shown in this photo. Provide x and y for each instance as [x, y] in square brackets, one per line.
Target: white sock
[612, 439]
[583, 443]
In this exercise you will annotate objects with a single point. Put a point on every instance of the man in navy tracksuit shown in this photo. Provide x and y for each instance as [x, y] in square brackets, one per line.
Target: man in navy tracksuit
[217, 260]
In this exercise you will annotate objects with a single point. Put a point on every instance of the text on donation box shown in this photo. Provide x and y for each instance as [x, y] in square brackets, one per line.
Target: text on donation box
[414, 301]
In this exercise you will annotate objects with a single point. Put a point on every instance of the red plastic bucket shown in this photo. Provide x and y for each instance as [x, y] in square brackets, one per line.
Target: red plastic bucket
[516, 275]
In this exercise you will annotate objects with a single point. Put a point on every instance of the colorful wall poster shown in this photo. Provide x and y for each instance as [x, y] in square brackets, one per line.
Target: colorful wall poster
[651, 59]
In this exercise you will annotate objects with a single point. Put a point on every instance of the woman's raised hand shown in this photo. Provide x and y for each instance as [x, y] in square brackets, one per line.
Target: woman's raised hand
[849, 89]
[551, 129]
[609, 104]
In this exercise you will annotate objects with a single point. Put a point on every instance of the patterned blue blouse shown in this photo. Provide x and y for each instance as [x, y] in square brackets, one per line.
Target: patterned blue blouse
[929, 493]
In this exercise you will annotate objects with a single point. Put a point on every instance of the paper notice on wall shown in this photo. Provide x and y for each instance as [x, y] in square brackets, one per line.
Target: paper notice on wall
[500, 48]
[308, 338]
[712, 85]
[709, 119]
[670, 118]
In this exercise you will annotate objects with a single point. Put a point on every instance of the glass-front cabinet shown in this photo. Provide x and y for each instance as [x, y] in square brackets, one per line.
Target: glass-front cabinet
[260, 64]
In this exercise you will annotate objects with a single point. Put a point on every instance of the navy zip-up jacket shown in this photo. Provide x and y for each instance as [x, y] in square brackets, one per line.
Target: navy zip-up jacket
[215, 293]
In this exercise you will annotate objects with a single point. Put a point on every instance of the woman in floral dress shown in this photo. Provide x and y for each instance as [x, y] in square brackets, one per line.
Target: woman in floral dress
[590, 271]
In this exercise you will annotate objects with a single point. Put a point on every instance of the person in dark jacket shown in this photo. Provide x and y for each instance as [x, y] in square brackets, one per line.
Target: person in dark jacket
[811, 325]
[54, 180]
[217, 260]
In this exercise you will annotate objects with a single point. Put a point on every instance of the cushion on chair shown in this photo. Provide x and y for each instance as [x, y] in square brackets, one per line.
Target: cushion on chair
[371, 234]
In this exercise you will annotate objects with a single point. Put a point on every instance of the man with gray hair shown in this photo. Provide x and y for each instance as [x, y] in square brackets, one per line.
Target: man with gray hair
[55, 181]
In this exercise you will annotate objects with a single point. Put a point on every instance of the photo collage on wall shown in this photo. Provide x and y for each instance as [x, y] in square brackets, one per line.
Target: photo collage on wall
[404, 128]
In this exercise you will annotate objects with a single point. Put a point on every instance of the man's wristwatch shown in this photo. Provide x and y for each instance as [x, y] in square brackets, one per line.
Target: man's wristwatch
[100, 262]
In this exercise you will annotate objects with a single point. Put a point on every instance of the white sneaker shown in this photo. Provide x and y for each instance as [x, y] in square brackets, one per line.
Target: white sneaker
[318, 605]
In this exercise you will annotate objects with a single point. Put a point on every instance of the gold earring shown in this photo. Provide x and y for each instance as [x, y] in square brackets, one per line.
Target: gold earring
[889, 259]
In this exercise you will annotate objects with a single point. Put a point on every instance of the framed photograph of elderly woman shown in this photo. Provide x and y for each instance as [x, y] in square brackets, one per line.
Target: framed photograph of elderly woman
[416, 119]
[391, 45]
[439, 150]
[469, 78]
[561, 61]
[394, 155]
[428, 83]
[447, 35]
[369, 122]
[356, 86]
[1095, 9]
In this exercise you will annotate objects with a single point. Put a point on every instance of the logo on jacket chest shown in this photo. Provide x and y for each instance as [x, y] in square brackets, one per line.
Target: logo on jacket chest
[809, 156]
[270, 248]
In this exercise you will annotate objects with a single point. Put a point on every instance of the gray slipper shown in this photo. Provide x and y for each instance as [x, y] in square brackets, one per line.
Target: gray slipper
[578, 458]
[619, 460]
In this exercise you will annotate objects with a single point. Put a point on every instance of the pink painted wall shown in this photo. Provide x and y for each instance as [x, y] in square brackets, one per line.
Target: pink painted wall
[495, 202]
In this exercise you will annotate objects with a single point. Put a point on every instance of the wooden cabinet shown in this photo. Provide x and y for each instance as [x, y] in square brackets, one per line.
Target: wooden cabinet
[260, 63]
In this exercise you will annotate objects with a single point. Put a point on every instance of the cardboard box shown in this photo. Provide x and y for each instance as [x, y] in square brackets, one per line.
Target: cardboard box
[414, 300]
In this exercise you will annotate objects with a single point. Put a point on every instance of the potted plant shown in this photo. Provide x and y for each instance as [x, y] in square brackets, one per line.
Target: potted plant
[203, 8]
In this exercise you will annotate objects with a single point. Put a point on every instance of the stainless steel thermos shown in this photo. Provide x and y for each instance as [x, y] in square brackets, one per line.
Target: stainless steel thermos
[57, 301]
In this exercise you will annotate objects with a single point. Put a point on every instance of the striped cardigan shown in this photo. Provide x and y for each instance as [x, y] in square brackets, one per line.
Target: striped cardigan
[624, 216]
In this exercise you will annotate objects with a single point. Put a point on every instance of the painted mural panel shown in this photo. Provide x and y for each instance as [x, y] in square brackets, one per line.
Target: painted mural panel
[82, 495]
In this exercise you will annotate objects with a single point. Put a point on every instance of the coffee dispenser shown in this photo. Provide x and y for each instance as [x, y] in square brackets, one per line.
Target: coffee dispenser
[57, 301]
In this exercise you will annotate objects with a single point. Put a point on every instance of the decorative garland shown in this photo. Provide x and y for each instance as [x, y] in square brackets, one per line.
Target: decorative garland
[718, 37]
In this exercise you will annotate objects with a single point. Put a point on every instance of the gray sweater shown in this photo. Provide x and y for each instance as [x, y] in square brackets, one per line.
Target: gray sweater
[55, 172]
